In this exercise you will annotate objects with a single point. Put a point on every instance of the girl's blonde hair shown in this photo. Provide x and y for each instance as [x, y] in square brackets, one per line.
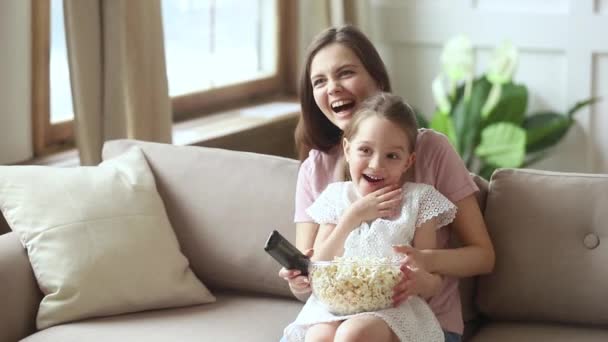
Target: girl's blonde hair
[390, 107]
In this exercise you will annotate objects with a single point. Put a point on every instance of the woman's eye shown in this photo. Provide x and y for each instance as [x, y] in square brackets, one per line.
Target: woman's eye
[364, 150]
[317, 82]
[346, 72]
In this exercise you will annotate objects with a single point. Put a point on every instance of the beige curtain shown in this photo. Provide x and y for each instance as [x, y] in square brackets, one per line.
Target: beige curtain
[118, 73]
[316, 15]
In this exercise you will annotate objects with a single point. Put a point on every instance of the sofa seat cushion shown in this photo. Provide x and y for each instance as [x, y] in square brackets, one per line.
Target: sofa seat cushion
[523, 332]
[233, 317]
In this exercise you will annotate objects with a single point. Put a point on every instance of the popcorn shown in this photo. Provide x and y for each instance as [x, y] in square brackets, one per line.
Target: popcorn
[351, 285]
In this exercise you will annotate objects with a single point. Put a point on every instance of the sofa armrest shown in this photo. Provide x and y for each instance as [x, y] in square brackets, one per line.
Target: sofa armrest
[19, 293]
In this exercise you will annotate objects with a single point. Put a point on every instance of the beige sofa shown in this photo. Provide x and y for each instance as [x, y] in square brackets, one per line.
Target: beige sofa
[549, 283]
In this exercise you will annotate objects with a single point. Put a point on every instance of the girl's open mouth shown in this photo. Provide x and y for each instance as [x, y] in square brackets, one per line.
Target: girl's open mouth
[372, 179]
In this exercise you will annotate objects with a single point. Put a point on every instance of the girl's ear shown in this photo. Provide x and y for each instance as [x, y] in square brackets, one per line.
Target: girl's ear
[346, 148]
[410, 161]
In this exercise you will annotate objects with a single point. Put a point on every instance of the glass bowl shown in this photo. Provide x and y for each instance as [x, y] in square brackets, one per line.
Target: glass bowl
[347, 287]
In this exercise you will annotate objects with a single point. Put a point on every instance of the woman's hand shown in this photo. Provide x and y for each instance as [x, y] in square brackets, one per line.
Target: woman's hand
[299, 284]
[416, 281]
[382, 203]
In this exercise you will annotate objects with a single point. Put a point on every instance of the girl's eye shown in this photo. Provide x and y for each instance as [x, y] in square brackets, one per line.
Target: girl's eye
[393, 156]
[364, 150]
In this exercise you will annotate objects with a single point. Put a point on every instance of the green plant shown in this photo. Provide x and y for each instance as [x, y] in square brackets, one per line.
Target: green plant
[485, 117]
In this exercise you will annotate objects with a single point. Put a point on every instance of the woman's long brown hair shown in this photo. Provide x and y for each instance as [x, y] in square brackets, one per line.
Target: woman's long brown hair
[314, 130]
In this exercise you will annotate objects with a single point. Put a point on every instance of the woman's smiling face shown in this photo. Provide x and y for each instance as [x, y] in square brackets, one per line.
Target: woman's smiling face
[340, 83]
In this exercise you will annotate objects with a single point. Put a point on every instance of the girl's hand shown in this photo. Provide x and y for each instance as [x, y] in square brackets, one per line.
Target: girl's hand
[382, 203]
[299, 284]
[413, 256]
[416, 281]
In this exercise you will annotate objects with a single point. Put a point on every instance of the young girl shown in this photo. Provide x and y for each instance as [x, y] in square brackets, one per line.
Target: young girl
[366, 217]
[341, 69]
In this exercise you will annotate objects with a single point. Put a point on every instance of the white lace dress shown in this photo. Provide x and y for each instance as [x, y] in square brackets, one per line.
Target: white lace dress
[413, 320]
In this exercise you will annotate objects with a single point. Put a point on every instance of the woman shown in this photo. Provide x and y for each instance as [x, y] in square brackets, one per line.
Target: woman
[342, 68]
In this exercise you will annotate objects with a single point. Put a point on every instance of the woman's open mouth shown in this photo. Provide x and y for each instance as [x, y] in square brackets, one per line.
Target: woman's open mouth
[342, 106]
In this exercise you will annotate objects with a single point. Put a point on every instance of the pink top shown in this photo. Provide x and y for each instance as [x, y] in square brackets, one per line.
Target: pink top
[437, 164]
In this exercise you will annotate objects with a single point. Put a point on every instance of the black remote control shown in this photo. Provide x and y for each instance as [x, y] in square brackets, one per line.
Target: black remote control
[286, 253]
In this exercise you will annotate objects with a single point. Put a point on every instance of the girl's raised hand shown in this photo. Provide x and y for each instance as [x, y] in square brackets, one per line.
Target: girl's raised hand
[382, 203]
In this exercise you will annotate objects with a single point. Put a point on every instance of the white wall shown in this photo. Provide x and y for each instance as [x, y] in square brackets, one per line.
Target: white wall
[563, 57]
[15, 81]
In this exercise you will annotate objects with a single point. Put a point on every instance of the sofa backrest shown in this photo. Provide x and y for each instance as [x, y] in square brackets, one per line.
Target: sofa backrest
[223, 205]
[547, 229]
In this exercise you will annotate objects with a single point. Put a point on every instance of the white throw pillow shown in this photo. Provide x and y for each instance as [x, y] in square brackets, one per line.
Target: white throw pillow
[98, 239]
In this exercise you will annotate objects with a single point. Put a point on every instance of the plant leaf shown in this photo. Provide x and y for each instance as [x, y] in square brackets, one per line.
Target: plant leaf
[486, 171]
[581, 104]
[502, 144]
[511, 106]
[545, 129]
[467, 118]
[443, 123]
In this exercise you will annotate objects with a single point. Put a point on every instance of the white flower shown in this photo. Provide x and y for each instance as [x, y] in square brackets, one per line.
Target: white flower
[440, 96]
[503, 63]
[457, 58]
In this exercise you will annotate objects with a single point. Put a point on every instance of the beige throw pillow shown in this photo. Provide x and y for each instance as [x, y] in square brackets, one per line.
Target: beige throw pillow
[98, 239]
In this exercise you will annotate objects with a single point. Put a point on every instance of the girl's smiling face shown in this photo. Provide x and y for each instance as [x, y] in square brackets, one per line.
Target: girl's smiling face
[340, 83]
[377, 155]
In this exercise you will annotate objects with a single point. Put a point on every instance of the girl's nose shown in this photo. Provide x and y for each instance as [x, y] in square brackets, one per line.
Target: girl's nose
[375, 162]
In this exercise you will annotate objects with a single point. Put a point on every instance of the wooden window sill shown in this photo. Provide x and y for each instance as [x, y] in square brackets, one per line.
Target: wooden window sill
[264, 128]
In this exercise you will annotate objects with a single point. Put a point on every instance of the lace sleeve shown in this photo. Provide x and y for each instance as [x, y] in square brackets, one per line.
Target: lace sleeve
[433, 204]
[325, 208]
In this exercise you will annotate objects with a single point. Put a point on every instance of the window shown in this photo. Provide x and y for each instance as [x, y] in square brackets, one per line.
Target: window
[51, 94]
[219, 54]
[224, 52]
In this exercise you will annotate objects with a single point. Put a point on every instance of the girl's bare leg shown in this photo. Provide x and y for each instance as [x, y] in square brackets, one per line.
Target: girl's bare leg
[365, 328]
[322, 332]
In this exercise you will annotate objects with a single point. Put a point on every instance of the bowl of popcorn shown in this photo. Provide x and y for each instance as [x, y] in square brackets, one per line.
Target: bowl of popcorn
[347, 286]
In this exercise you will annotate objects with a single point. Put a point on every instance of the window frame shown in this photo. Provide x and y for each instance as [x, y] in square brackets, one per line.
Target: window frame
[283, 84]
[47, 138]
[51, 138]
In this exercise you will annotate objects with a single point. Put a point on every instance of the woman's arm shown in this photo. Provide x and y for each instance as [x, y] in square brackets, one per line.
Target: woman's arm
[306, 233]
[477, 254]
